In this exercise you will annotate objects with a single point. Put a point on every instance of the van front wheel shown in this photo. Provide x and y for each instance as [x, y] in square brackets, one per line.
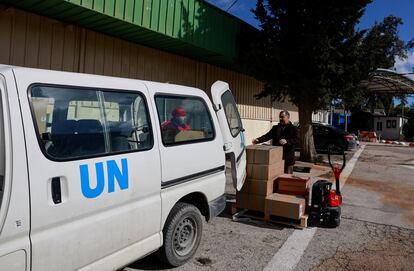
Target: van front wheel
[182, 234]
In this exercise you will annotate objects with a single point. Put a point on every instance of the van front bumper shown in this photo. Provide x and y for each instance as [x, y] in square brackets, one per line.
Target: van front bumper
[217, 206]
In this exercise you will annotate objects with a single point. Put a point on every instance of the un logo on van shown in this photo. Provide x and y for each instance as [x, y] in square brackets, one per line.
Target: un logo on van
[113, 173]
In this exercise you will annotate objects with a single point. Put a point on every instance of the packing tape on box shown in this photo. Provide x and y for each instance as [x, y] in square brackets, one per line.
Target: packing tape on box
[261, 174]
[253, 157]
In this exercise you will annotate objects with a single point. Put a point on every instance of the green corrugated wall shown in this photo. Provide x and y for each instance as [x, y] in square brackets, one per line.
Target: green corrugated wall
[188, 27]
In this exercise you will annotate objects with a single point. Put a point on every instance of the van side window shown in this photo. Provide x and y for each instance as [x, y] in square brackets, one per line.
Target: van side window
[232, 114]
[184, 120]
[76, 123]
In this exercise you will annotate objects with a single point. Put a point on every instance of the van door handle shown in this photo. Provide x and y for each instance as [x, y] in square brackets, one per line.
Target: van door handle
[56, 190]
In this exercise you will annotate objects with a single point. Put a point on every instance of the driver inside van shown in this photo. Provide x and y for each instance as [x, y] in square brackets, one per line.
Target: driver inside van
[177, 122]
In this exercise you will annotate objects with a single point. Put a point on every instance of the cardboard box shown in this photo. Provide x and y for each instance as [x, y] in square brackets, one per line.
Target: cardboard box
[292, 185]
[265, 172]
[250, 201]
[258, 187]
[41, 109]
[367, 134]
[189, 135]
[263, 154]
[285, 206]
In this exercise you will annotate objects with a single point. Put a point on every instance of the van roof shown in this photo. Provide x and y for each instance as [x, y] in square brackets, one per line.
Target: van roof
[151, 84]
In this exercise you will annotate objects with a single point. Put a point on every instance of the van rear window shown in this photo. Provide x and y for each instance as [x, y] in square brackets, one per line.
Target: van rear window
[76, 123]
[232, 114]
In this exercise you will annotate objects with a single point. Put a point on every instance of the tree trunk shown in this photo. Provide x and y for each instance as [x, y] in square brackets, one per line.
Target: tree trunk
[307, 146]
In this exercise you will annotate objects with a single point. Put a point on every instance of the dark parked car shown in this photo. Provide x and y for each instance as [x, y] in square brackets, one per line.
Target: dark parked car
[326, 136]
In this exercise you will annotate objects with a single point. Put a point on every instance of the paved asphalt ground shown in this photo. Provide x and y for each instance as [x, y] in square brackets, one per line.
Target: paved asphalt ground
[376, 231]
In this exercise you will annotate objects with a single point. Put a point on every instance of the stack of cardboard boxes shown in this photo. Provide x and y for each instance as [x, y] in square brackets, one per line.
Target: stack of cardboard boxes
[264, 165]
[290, 199]
[268, 190]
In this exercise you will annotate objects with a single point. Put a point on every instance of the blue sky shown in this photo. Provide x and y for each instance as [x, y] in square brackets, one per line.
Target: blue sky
[375, 11]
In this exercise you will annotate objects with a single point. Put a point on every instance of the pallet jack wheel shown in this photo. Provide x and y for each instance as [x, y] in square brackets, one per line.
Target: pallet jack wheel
[331, 217]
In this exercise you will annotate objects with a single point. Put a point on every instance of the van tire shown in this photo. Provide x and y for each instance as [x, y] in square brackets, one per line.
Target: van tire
[182, 234]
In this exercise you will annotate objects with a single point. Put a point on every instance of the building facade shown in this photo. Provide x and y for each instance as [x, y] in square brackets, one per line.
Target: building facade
[187, 42]
[389, 127]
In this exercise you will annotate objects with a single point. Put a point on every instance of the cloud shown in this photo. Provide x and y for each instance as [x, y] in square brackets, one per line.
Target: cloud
[405, 65]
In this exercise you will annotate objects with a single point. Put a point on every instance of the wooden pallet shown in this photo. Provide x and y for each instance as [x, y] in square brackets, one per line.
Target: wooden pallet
[246, 215]
[302, 223]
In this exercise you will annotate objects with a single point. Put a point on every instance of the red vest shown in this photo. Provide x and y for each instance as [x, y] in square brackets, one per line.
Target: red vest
[169, 125]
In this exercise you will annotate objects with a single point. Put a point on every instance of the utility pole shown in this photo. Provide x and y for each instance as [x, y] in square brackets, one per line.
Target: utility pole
[346, 121]
[402, 108]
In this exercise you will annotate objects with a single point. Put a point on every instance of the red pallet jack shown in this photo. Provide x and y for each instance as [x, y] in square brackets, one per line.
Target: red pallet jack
[326, 202]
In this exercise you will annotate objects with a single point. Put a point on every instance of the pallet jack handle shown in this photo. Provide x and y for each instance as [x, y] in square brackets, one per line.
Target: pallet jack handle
[337, 170]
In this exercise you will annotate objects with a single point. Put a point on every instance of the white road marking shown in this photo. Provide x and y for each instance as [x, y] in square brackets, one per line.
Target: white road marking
[407, 166]
[289, 255]
[292, 250]
[350, 166]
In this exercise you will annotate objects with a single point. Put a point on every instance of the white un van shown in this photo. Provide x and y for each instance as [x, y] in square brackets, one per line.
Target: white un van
[96, 172]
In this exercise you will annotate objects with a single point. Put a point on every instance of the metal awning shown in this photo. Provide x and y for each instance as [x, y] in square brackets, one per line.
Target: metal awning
[389, 81]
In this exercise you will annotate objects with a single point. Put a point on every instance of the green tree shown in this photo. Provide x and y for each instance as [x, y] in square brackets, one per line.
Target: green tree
[377, 49]
[408, 130]
[403, 109]
[311, 52]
